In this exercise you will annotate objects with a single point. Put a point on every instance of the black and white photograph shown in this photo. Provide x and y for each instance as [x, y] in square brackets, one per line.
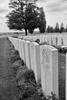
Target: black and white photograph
[33, 49]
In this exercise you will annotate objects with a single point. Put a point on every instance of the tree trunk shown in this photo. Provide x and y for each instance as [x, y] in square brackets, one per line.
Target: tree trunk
[26, 32]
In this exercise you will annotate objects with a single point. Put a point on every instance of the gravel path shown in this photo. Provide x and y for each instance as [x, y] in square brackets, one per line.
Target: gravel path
[8, 89]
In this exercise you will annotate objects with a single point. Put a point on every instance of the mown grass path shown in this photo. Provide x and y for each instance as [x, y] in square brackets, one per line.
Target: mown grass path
[8, 89]
[62, 72]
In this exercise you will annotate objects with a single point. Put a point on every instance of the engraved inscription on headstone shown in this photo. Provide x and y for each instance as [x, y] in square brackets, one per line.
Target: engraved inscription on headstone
[48, 67]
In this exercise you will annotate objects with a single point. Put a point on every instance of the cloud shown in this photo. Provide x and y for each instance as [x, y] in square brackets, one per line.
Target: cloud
[2, 1]
[4, 4]
[54, 6]
[58, 6]
[42, 0]
[2, 10]
[3, 27]
[64, 0]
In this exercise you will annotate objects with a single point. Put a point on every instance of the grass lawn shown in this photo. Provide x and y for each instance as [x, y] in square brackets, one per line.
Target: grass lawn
[8, 89]
[62, 74]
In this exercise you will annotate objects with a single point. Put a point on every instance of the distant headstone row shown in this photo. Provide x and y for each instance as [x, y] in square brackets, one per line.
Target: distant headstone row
[42, 59]
[50, 39]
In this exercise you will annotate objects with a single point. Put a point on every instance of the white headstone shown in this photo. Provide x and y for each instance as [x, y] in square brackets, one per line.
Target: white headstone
[49, 40]
[37, 67]
[55, 40]
[46, 39]
[13, 42]
[27, 54]
[65, 40]
[20, 52]
[16, 43]
[23, 50]
[32, 55]
[59, 40]
[41, 38]
[49, 69]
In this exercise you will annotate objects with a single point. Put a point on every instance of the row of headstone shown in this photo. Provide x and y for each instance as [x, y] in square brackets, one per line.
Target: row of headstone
[50, 39]
[43, 60]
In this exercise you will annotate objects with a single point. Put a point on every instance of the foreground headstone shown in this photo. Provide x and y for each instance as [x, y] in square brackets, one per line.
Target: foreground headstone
[13, 41]
[37, 67]
[27, 54]
[23, 50]
[16, 43]
[49, 69]
[35, 60]
[32, 55]
[20, 51]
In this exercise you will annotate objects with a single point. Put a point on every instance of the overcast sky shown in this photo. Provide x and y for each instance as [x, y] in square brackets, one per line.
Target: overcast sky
[55, 11]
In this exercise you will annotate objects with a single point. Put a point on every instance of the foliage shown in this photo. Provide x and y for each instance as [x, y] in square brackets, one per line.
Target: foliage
[50, 29]
[52, 97]
[62, 28]
[32, 19]
[25, 15]
[42, 25]
[17, 64]
[15, 56]
[29, 75]
[26, 84]
[57, 27]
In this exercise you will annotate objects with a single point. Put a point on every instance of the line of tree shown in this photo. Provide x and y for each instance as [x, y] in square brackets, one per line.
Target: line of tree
[26, 15]
[57, 28]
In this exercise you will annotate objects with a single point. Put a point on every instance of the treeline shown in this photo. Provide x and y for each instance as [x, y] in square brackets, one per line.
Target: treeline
[57, 28]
